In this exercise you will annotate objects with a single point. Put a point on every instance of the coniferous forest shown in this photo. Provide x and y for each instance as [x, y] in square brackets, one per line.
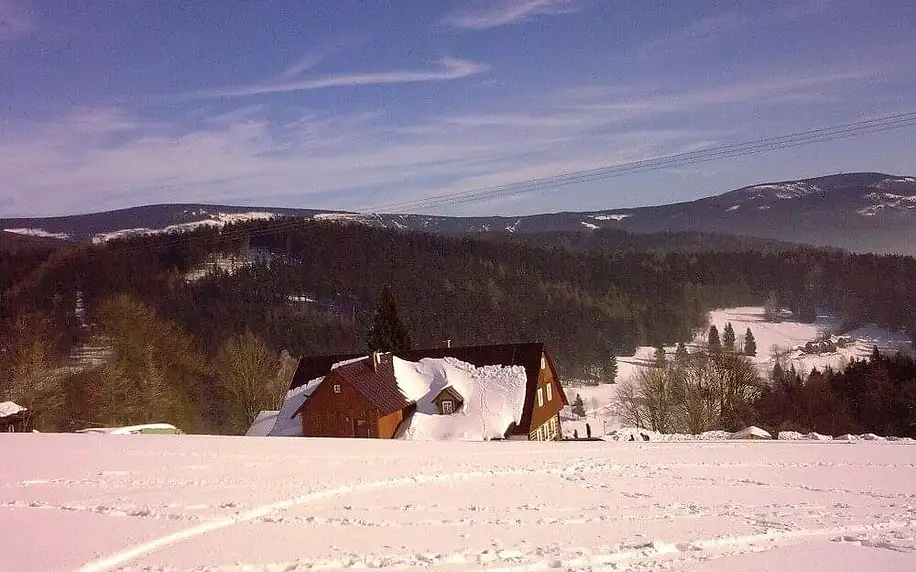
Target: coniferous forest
[176, 342]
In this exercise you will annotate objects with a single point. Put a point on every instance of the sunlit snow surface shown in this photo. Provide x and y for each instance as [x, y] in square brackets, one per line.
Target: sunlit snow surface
[109, 502]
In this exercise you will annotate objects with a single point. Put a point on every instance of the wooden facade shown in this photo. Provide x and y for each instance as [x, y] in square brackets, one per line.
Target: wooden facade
[336, 409]
[548, 401]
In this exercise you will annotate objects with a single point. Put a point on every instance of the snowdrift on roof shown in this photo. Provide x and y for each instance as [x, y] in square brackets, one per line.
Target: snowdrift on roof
[263, 424]
[494, 397]
[287, 425]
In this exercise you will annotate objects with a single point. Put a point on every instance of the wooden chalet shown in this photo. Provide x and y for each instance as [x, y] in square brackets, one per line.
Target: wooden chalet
[361, 398]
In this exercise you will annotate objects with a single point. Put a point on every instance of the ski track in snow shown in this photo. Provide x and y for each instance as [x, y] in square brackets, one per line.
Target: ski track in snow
[96, 503]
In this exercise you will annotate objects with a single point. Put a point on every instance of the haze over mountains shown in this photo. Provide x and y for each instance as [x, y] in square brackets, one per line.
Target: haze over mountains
[859, 212]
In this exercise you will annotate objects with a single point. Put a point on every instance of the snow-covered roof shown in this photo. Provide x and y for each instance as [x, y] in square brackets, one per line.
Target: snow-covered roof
[287, 425]
[751, 432]
[262, 424]
[131, 429]
[9, 408]
[494, 398]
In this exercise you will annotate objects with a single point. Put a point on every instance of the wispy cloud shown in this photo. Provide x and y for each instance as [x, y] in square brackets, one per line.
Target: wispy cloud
[711, 29]
[703, 31]
[248, 156]
[17, 20]
[505, 12]
[445, 69]
[77, 163]
[305, 63]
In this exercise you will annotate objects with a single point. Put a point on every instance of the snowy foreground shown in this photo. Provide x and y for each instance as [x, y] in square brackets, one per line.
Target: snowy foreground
[176, 502]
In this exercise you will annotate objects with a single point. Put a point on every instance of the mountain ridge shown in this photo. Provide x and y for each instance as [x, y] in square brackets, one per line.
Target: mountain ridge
[859, 212]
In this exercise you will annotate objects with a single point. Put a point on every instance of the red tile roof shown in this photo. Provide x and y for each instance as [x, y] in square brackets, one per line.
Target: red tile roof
[378, 386]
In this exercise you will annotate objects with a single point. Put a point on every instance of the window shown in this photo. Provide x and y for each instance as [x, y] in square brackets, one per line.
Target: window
[540, 397]
[448, 407]
[549, 392]
[336, 388]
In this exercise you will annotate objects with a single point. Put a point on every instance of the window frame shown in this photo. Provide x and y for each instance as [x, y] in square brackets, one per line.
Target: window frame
[336, 389]
[540, 397]
[448, 407]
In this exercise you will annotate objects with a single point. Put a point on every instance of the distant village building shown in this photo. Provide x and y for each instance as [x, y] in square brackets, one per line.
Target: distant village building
[13, 418]
[506, 391]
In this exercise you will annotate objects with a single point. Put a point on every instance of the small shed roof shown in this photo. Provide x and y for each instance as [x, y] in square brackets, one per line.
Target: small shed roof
[10, 408]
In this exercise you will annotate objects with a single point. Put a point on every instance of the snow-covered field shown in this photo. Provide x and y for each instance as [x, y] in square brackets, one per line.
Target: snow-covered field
[785, 336]
[107, 502]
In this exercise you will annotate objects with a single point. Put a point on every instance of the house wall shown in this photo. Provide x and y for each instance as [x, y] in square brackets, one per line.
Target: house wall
[329, 414]
[549, 431]
[552, 407]
[388, 425]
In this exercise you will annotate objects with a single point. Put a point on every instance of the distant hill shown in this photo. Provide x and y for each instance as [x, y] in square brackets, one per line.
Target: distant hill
[859, 212]
[13, 242]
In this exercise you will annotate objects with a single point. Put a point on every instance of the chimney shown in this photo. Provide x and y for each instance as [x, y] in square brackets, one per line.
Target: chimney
[376, 360]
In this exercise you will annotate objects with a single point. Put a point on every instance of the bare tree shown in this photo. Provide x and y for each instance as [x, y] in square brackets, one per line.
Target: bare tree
[700, 393]
[28, 375]
[252, 375]
[154, 371]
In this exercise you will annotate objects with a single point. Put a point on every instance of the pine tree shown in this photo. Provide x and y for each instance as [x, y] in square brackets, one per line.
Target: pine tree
[728, 337]
[750, 344]
[578, 406]
[713, 341]
[610, 370]
[387, 332]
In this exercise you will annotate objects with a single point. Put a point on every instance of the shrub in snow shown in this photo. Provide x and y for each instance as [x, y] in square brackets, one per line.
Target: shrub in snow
[873, 437]
[847, 437]
[714, 435]
[790, 436]
[813, 436]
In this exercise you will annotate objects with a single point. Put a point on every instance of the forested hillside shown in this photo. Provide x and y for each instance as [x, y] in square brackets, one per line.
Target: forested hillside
[171, 337]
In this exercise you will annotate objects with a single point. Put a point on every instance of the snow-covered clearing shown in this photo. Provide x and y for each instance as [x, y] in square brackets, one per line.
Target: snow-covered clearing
[785, 336]
[39, 232]
[214, 220]
[131, 502]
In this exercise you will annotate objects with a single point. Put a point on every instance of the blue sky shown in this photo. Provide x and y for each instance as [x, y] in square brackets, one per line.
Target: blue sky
[359, 105]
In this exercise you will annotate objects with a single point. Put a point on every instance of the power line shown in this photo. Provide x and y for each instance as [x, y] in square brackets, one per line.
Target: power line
[844, 131]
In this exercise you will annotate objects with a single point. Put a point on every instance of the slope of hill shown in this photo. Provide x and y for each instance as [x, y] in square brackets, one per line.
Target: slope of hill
[860, 212]
[20, 241]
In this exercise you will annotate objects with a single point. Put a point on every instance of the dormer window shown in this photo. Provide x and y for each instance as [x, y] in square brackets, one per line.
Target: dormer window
[448, 401]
